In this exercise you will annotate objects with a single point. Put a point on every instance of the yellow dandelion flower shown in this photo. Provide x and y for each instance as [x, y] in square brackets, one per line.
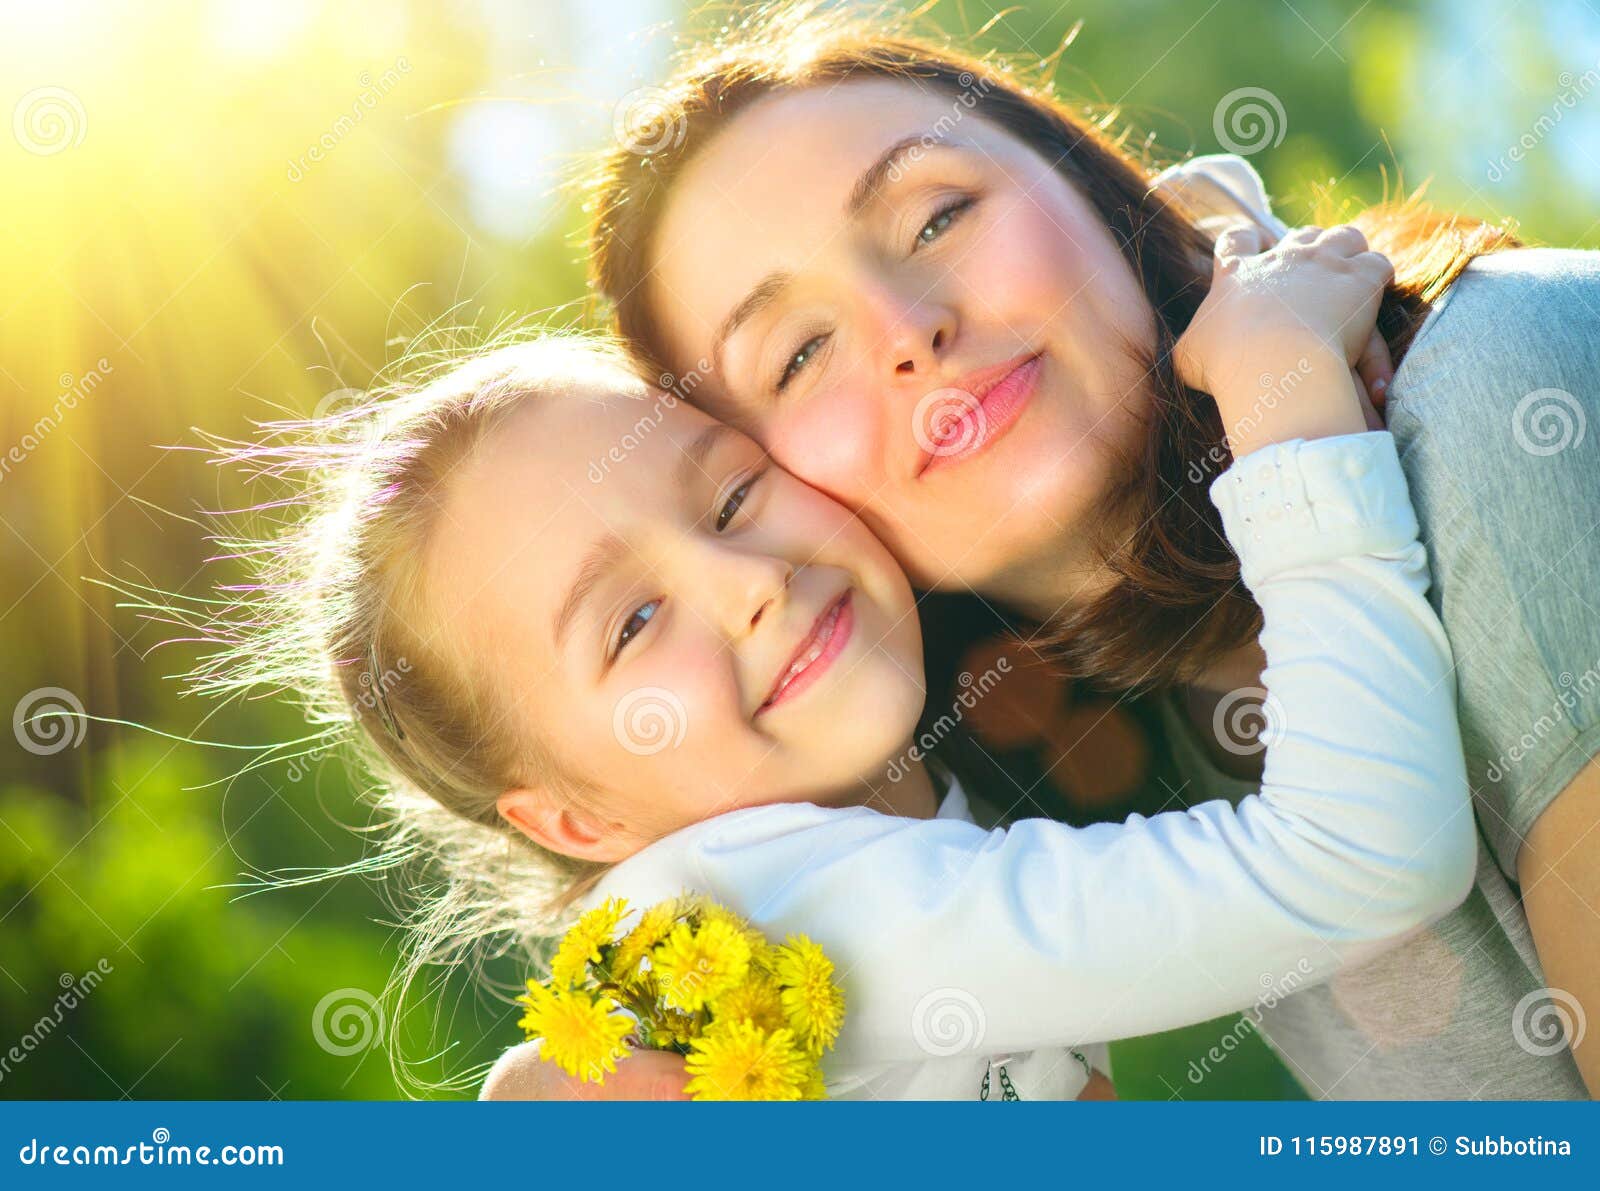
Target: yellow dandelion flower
[734, 1060]
[710, 911]
[764, 958]
[758, 1000]
[812, 1002]
[654, 924]
[672, 1028]
[814, 1088]
[693, 966]
[581, 945]
[581, 1034]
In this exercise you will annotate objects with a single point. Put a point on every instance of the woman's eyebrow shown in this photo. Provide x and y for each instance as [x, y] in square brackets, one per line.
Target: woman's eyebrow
[752, 304]
[871, 180]
[772, 285]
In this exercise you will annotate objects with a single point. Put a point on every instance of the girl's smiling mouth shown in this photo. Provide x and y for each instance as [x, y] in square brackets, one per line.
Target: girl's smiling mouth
[828, 636]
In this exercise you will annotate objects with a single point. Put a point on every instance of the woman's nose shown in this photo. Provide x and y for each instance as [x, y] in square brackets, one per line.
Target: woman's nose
[914, 330]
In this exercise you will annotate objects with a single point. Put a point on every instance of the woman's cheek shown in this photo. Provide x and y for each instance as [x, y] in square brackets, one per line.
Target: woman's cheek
[1036, 259]
[832, 441]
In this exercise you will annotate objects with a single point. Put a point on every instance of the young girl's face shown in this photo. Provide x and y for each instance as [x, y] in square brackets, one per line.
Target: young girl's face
[688, 628]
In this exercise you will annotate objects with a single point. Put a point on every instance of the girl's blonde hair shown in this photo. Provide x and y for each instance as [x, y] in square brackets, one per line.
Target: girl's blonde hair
[336, 615]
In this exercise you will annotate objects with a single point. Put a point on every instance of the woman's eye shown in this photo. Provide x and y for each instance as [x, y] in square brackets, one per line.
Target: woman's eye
[941, 222]
[799, 359]
[736, 499]
[635, 624]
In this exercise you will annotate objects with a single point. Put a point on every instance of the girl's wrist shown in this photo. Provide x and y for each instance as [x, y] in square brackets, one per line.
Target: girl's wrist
[1318, 397]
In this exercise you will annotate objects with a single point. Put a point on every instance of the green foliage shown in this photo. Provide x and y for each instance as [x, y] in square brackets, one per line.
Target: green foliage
[201, 994]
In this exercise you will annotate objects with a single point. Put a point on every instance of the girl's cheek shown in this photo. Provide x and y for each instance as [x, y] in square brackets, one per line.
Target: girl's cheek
[690, 689]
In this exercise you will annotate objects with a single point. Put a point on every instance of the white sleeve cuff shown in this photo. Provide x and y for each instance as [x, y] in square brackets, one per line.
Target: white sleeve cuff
[1304, 502]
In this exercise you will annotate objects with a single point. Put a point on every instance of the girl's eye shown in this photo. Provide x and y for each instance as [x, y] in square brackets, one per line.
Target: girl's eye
[635, 624]
[736, 499]
[941, 222]
[799, 359]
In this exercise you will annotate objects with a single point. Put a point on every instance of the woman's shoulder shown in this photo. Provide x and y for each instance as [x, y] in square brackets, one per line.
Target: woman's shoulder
[1515, 323]
[1507, 299]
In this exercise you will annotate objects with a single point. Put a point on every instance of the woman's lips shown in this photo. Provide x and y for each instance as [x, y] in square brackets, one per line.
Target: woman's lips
[988, 405]
[816, 653]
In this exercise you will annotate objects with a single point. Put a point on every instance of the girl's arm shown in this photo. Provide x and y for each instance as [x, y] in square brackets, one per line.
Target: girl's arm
[1045, 934]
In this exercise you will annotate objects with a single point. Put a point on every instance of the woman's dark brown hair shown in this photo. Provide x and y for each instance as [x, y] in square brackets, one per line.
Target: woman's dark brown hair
[1177, 602]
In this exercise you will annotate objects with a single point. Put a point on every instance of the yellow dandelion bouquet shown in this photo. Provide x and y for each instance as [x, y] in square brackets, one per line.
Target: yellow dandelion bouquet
[751, 1018]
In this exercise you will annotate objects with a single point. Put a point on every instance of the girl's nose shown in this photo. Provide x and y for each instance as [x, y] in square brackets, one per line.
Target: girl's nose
[744, 586]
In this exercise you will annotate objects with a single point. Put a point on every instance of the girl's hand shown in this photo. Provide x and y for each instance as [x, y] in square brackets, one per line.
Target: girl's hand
[1280, 337]
[643, 1075]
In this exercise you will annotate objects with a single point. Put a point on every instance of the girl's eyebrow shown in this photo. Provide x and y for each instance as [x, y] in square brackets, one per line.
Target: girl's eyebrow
[609, 550]
[602, 556]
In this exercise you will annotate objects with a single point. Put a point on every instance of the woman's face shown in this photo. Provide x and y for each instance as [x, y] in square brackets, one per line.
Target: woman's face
[913, 311]
[687, 628]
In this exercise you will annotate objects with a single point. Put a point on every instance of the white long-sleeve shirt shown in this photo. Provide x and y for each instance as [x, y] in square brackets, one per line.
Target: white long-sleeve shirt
[960, 948]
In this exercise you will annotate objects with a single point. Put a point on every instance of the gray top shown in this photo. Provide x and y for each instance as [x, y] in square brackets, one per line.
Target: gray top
[1496, 411]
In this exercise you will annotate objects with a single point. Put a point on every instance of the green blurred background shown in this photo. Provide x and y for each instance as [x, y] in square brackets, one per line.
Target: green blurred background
[217, 212]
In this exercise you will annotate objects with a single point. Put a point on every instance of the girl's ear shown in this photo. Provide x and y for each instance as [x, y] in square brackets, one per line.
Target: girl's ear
[558, 824]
